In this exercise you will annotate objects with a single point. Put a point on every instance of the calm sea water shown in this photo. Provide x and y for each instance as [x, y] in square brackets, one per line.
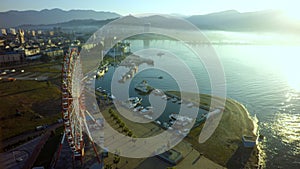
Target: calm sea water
[263, 78]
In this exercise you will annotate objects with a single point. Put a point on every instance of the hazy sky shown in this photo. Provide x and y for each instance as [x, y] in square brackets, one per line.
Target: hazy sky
[125, 7]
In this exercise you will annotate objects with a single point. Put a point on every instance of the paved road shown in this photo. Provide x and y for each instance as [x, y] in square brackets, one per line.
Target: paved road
[24, 154]
[31, 76]
[24, 136]
[17, 157]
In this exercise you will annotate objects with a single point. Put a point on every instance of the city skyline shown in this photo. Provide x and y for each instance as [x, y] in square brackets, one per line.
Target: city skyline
[189, 7]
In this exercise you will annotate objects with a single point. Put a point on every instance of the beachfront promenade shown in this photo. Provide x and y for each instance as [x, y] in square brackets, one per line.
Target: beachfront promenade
[191, 157]
[214, 149]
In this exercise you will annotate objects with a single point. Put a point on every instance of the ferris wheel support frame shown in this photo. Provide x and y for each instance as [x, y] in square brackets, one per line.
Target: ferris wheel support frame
[68, 108]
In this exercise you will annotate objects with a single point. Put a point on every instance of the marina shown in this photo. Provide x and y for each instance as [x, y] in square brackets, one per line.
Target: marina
[140, 105]
[160, 90]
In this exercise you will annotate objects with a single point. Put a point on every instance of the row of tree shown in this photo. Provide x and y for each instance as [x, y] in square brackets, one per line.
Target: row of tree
[124, 129]
[120, 123]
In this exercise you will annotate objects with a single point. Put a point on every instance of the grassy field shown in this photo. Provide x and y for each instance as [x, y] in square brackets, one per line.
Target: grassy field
[22, 103]
[53, 67]
[223, 143]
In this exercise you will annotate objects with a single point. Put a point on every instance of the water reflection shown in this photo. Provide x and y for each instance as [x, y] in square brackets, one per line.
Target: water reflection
[264, 79]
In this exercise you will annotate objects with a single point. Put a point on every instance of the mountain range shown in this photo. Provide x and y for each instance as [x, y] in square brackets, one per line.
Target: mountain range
[52, 16]
[270, 20]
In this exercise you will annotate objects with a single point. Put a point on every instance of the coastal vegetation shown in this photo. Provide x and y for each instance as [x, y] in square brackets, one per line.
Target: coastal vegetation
[120, 124]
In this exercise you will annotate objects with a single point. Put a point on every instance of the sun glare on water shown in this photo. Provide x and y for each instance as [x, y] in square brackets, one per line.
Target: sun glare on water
[284, 61]
[291, 70]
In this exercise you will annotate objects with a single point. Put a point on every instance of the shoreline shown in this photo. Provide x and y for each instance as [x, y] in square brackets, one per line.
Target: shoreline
[235, 122]
[233, 111]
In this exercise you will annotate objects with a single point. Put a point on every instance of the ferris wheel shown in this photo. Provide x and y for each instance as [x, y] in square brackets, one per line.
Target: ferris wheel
[73, 107]
[73, 102]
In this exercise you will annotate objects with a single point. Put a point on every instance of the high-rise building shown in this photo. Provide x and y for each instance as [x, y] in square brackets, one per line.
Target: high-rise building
[3, 31]
[21, 36]
[33, 32]
[12, 31]
[51, 33]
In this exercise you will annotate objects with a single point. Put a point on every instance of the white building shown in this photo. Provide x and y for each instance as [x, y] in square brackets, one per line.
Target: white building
[3, 31]
[12, 31]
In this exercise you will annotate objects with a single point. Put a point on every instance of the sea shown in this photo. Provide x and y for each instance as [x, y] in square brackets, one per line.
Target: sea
[264, 78]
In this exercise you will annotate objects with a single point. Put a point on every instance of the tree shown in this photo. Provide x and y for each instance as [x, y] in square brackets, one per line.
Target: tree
[118, 120]
[113, 115]
[122, 124]
[133, 138]
[110, 111]
[125, 129]
[129, 133]
[108, 166]
[116, 160]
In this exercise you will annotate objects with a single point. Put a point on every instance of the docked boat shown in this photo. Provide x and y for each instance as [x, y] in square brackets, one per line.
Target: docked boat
[181, 123]
[174, 99]
[105, 68]
[184, 132]
[179, 101]
[190, 105]
[130, 74]
[99, 89]
[111, 96]
[164, 97]
[138, 108]
[165, 125]
[180, 118]
[145, 111]
[143, 87]
[102, 69]
[149, 107]
[132, 105]
[100, 72]
[249, 141]
[134, 102]
[134, 99]
[148, 117]
[158, 92]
